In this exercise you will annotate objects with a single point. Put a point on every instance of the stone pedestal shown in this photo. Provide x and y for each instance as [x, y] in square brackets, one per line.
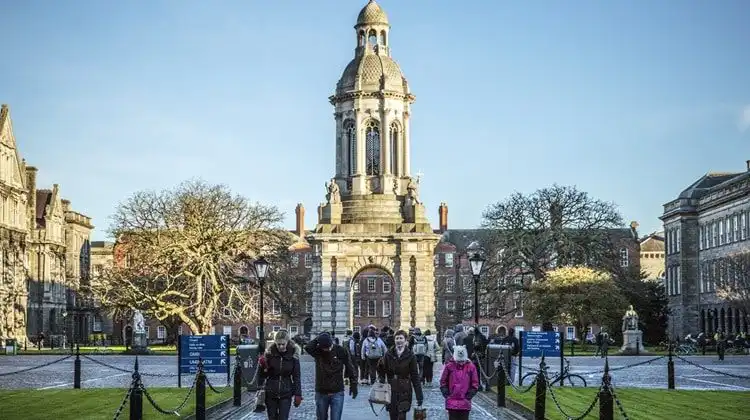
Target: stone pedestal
[140, 344]
[632, 342]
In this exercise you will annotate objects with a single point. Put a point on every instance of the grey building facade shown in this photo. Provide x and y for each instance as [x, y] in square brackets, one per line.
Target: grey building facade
[706, 227]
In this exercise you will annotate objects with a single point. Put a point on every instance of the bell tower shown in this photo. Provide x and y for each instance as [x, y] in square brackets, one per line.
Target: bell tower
[372, 217]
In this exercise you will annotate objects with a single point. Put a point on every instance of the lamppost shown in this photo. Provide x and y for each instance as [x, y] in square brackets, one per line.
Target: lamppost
[261, 270]
[476, 261]
[65, 328]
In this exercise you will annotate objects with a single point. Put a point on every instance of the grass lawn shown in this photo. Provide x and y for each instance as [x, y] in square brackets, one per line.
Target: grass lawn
[156, 350]
[82, 404]
[646, 404]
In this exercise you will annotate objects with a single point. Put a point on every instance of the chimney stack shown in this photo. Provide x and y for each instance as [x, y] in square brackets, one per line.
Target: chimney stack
[443, 217]
[300, 212]
[748, 164]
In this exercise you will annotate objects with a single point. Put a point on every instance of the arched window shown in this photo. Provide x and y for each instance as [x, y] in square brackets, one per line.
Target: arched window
[394, 132]
[372, 38]
[372, 147]
[383, 38]
[361, 38]
[350, 134]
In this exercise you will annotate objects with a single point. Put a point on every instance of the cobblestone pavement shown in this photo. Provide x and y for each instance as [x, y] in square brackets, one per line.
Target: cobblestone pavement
[116, 373]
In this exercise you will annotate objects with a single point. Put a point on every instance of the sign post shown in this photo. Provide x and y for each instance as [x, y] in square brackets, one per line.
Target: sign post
[212, 350]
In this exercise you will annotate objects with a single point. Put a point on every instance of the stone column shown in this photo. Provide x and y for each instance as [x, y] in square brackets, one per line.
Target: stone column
[404, 301]
[425, 291]
[406, 170]
[341, 146]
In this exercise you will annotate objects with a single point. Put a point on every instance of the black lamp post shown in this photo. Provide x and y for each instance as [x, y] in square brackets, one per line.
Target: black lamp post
[476, 261]
[65, 328]
[261, 270]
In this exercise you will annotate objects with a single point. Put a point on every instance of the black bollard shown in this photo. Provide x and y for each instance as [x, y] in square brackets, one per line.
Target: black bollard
[501, 379]
[637, 346]
[606, 402]
[136, 395]
[200, 393]
[670, 369]
[237, 383]
[541, 392]
[77, 369]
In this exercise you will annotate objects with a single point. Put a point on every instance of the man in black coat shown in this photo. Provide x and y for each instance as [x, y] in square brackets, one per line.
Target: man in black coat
[332, 363]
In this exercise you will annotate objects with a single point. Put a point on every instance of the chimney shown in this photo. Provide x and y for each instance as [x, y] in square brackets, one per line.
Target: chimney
[31, 189]
[443, 217]
[300, 212]
[747, 162]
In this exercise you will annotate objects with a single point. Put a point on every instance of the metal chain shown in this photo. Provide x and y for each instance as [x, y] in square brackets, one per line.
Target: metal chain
[621, 367]
[560, 409]
[482, 371]
[124, 401]
[510, 382]
[36, 367]
[210, 386]
[617, 401]
[174, 412]
[107, 365]
[731, 375]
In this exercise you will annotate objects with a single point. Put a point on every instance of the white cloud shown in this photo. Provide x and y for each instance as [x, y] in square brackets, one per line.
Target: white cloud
[744, 121]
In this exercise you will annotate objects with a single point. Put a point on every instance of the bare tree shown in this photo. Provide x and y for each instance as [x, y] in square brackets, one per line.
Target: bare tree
[733, 285]
[180, 249]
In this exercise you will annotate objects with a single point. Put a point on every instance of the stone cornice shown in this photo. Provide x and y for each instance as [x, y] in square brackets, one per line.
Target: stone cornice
[360, 94]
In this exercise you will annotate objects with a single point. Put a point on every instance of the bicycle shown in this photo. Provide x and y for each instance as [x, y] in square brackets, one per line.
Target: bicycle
[686, 349]
[572, 378]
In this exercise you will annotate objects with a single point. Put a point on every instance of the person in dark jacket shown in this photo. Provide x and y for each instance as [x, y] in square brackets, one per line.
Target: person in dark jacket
[399, 368]
[280, 373]
[331, 364]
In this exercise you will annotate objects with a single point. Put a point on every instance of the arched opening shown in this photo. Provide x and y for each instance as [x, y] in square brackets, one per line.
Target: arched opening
[244, 331]
[501, 331]
[372, 38]
[361, 39]
[350, 133]
[394, 142]
[307, 326]
[372, 147]
[373, 299]
[383, 38]
[730, 325]
[737, 321]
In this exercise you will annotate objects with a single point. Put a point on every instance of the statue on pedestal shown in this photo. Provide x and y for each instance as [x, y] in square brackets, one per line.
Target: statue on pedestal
[140, 339]
[333, 194]
[412, 192]
[139, 324]
[630, 320]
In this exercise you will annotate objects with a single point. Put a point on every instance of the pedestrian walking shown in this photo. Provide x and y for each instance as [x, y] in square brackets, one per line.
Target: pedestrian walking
[459, 383]
[448, 343]
[418, 346]
[373, 348]
[515, 347]
[355, 353]
[399, 368]
[280, 373]
[331, 365]
[430, 358]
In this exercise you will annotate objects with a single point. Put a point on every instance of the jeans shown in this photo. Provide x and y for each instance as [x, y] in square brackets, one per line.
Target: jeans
[324, 402]
[278, 409]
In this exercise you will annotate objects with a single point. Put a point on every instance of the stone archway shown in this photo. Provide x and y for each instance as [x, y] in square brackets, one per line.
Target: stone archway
[501, 330]
[372, 298]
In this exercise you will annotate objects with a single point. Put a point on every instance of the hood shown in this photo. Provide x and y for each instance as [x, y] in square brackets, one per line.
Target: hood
[291, 348]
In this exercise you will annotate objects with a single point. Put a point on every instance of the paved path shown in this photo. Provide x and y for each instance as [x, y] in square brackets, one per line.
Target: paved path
[116, 372]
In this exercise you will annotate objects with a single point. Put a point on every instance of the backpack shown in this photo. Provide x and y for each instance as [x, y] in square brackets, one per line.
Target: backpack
[420, 346]
[374, 351]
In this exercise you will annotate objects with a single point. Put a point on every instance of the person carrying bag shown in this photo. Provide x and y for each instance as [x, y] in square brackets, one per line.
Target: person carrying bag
[399, 369]
[280, 372]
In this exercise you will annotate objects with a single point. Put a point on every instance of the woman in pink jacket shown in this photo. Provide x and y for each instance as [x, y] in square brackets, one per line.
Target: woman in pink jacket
[459, 383]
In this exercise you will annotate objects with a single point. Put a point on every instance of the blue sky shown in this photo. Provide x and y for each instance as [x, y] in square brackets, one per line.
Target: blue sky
[629, 100]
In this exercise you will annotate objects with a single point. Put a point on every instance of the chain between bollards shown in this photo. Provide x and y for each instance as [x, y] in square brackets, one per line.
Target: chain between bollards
[670, 368]
[606, 402]
[136, 398]
[77, 369]
[200, 393]
[541, 392]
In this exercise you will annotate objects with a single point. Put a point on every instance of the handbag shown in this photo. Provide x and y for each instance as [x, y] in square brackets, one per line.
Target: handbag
[420, 413]
[380, 393]
[260, 400]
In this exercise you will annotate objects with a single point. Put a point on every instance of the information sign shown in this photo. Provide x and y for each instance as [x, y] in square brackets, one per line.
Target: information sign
[213, 350]
[537, 342]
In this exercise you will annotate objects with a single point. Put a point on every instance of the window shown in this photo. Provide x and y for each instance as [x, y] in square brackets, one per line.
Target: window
[295, 260]
[351, 144]
[97, 327]
[276, 328]
[386, 286]
[721, 232]
[450, 305]
[309, 306]
[161, 332]
[467, 308]
[357, 308]
[743, 225]
[449, 260]
[735, 228]
[450, 285]
[293, 330]
[372, 309]
[570, 331]
[355, 285]
[701, 235]
[308, 260]
[227, 330]
[275, 308]
[624, 262]
[485, 330]
[372, 147]
[371, 284]
[518, 304]
[679, 240]
[386, 308]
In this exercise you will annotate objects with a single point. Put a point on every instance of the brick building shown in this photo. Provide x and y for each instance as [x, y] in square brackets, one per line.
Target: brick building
[708, 223]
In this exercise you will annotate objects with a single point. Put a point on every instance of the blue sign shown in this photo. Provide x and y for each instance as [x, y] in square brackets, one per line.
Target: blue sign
[213, 350]
[537, 342]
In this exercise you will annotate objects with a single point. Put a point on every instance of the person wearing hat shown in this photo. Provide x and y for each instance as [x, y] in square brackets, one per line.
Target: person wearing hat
[332, 363]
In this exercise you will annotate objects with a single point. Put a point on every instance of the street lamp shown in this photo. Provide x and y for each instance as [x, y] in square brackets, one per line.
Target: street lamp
[261, 271]
[65, 328]
[476, 261]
